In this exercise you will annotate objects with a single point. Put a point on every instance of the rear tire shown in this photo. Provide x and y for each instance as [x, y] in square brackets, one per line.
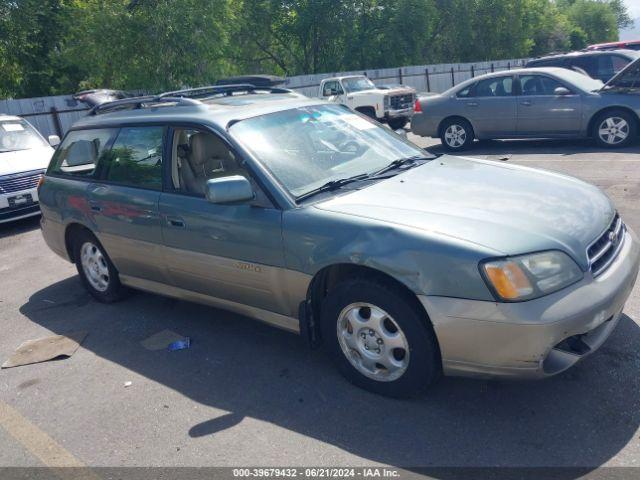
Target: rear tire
[378, 339]
[615, 129]
[456, 134]
[97, 272]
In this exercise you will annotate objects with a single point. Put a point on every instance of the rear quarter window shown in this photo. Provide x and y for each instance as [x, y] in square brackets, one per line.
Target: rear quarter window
[80, 151]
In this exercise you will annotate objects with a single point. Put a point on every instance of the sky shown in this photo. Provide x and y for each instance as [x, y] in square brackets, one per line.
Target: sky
[634, 7]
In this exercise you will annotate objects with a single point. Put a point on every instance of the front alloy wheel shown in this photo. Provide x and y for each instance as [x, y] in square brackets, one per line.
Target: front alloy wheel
[379, 337]
[373, 342]
[613, 130]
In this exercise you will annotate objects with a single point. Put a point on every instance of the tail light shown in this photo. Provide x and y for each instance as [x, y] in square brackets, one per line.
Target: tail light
[417, 108]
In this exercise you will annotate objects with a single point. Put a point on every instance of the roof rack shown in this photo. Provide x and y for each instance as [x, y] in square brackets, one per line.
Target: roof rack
[135, 103]
[227, 90]
[188, 96]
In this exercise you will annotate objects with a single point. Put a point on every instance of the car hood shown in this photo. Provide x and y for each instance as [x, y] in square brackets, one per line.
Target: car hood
[505, 208]
[625, 77]
[25, 160]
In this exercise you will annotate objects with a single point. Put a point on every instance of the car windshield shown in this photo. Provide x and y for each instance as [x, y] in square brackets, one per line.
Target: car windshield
[18, 135]
[357, 84]
[307, 147]
[582, 81]
[628, 78]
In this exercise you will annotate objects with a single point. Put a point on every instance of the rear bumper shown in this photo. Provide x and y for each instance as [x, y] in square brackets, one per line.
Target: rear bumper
[11, 210]
[424, 125]
[537, 338]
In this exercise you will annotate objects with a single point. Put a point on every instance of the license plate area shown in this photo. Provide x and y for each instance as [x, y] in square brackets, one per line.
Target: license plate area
[20, 200]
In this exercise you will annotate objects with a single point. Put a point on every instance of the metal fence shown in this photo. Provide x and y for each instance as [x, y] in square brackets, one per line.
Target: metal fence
[55, 115]
[424, 78]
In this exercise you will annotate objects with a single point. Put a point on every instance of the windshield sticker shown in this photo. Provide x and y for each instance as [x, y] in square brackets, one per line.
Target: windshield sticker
[12, 127]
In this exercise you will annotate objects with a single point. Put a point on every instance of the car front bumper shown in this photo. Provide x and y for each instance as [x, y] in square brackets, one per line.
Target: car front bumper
[405, 112]
[17, 205]
[537, 338]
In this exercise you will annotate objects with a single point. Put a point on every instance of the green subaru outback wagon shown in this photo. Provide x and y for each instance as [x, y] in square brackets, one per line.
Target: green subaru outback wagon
[315, 219]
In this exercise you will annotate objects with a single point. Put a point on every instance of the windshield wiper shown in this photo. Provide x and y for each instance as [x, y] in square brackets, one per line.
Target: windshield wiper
[400, 162]
[332, 185]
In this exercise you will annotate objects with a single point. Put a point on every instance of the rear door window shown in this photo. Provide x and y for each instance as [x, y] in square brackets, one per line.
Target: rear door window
[495, 87]
[80, 151]
[136, 158]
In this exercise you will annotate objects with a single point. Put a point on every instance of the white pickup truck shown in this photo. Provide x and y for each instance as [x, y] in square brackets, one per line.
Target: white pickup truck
[392, 105]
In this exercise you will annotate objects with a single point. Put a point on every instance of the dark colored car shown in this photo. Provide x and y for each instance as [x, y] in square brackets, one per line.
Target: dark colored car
[602, 65]
[255, 80]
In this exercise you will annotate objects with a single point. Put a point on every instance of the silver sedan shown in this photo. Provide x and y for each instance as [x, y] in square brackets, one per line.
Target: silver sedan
[534, 103]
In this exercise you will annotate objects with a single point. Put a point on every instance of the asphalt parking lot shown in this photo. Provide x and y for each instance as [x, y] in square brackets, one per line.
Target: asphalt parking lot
[245, 394]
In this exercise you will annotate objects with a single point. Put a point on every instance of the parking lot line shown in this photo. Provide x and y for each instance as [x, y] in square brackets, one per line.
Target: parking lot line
[41, 445]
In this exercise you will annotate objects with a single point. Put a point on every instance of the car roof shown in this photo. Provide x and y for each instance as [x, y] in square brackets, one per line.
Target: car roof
[219, 111]
[590, 53]
[11, 118]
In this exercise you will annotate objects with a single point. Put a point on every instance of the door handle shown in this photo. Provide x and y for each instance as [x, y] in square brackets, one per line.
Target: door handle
[472, 104]
[95, 207]
[176, 222]
[526, 103]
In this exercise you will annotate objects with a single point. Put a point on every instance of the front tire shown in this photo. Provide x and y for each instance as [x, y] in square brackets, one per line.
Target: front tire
[97, 272]
[615, 129]
[378, 339]
[397, 123]
[456, 134]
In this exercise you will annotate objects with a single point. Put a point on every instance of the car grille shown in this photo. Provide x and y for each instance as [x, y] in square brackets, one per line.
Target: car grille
[400, 102]
[20, 181]
[605, 249]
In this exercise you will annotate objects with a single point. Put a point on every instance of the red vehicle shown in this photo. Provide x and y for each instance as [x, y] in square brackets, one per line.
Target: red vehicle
[629, 45]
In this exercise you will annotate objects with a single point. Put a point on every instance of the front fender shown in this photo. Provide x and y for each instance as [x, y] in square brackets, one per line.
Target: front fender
[426, 263]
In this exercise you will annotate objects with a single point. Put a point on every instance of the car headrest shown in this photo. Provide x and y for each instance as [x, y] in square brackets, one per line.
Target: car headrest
[205, 146]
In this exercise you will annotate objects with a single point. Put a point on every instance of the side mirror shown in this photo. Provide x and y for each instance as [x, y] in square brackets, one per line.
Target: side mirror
[402, 132]
[231, 189]
[54, 140]
[561, 91]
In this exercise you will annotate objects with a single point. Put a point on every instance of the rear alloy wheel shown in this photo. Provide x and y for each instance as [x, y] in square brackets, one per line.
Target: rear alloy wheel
[457, 134]
[615, 129]
[98, 274]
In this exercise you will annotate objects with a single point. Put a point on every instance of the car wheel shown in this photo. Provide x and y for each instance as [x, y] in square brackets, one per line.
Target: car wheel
[368, 111]
[378, 339]
[96, 270]
[615, 129]
[397, 123]
[457, 134]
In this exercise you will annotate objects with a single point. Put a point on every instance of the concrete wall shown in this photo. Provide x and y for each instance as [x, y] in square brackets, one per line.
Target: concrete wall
[424, 78]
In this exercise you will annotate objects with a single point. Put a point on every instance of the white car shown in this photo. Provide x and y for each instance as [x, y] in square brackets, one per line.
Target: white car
[24, 156]
[391, 104]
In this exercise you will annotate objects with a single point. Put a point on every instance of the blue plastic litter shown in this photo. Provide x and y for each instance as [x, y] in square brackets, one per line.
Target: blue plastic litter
[180, 344]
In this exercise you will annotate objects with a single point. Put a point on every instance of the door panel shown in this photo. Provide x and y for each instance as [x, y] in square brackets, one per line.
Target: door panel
[542, 113]
[124, 202]
[492, 108]
[128, 225]
[233, 252]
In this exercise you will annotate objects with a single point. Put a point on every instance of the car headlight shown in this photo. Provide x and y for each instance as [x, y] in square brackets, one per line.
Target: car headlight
[515, 279]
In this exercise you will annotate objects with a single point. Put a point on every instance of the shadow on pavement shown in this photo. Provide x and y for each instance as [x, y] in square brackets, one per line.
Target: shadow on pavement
[535, 147]
[583, 417]
[19, 226]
